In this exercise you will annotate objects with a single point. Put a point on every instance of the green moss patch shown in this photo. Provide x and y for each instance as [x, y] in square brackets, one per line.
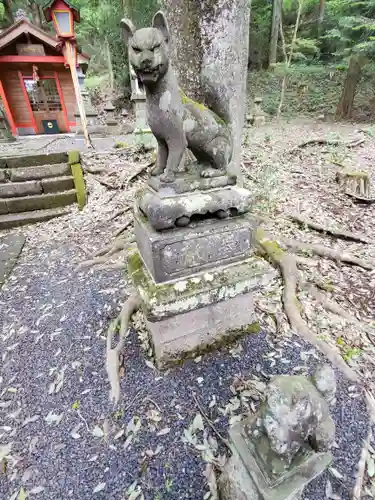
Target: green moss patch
[121, 145]
[227, 340]
[73, 157]
[79, 184]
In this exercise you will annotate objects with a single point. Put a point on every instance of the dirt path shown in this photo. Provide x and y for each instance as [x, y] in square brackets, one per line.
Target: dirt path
[66, 442]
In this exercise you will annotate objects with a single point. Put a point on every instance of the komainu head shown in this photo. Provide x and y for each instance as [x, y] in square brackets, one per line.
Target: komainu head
[148, 49]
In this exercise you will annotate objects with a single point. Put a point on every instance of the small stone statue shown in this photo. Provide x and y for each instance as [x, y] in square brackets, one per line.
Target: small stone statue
[279, 450]
[296, 415]
[176, 121]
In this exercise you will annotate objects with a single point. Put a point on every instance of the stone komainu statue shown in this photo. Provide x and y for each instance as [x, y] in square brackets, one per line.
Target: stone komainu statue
[296, 413]
[176, 121]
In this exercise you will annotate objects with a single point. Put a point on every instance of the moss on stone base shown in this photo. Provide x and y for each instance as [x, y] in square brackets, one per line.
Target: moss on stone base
[227, 340]
[168, 299]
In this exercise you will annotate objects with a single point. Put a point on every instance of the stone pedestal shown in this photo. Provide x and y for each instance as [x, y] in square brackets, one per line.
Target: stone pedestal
[257, 116]
[181, 252]
[93, 125]
[199, 311]
[194, 266]
[250, 473]
[142, 132]
[112, 127]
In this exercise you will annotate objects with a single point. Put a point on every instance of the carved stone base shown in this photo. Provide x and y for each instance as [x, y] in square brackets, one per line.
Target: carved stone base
[190, 182]
[199, 311]
[245, 477]
[179, 252]
[165, 210]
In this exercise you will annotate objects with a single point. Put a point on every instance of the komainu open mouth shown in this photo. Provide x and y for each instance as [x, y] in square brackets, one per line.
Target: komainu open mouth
[148, 74]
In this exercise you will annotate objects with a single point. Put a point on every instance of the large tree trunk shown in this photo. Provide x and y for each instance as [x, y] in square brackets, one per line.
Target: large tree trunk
[353, 76]
[35, 11]
[210, 53]
[8, 11]
[276, 16]
[322, 5]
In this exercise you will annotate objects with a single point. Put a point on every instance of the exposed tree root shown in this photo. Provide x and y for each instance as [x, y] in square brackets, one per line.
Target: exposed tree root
[112, 266]
[210, 423]
[360, 199]
[117, 245]
[305, 261]
[137, 173]
[289, 271]
[103, 256]
[328, 142]
[106, 184]
[338, 233]
[357, 492]
[328, 253]
[123, 228]
[328, 304]
[118, 213]
[113, 354]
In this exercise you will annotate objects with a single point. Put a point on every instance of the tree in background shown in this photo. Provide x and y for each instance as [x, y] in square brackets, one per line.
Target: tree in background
[354, 40]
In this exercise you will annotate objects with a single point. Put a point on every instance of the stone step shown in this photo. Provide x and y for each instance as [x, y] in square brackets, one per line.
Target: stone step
[21, 219]
[57, 184]
[27, 188]
[33, 160]
[37, 202]
[42, 172]
[16, 189]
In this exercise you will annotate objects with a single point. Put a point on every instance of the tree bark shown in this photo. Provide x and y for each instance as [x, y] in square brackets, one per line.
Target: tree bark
[8, 11]
[276, 16]
[35, 12]
[353, 76]
[322, 5]
[209, 51]
[110, 66]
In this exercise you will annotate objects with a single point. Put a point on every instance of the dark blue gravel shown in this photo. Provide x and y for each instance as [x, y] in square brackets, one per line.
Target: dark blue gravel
[58, 462]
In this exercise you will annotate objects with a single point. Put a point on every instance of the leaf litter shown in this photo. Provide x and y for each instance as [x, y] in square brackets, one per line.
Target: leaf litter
[246, 399]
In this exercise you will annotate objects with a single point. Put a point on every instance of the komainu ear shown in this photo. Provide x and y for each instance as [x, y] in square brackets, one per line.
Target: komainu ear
[127, 29]
[159, 21]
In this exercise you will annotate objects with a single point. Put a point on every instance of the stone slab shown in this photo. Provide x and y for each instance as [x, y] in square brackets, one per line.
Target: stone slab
[41, 202]
[54, 185]
[33, 160]
[3, 207]
[8, 221]
[163, 210]
[165, 300]
[180, 252]
[36, 173]
[10, 248]
[184, 184]
[17, 189]
[184, 335]
[289, 485]
[2, 175]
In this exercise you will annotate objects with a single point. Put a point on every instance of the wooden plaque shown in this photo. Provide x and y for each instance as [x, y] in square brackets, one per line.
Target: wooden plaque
[30, 49]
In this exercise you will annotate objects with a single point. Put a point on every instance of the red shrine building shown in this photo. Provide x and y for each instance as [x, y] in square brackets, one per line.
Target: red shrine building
[36, 82]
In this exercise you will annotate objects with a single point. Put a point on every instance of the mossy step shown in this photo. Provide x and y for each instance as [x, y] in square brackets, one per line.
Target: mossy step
[38, 202]
[33, 160]
[58, 184]
[17, 189]
[41, 172]
[21, 219]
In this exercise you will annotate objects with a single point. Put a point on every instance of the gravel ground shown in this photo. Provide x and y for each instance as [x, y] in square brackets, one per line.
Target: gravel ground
[67, 442]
